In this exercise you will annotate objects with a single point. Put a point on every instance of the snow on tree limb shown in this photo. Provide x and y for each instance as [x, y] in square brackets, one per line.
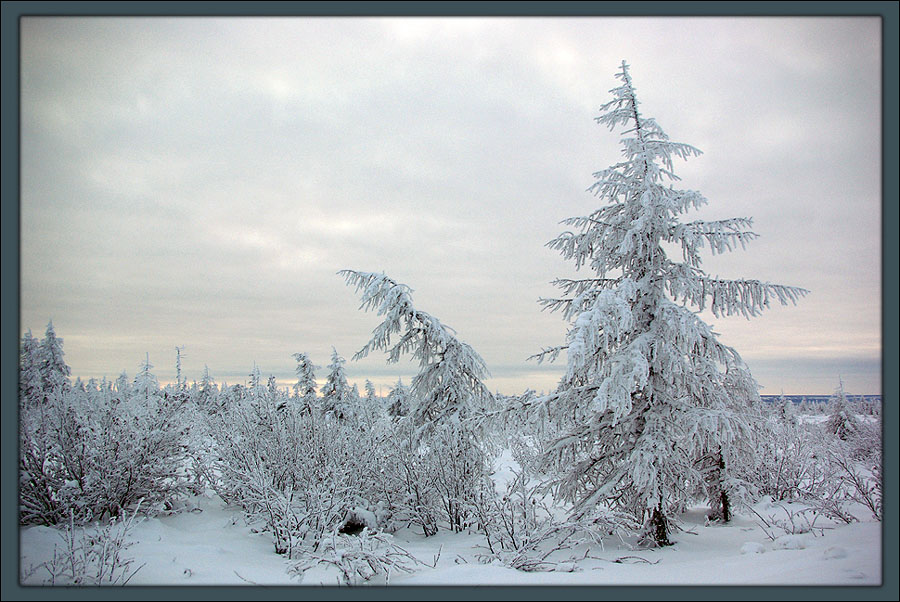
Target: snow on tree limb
[449, 382]
[648, 390]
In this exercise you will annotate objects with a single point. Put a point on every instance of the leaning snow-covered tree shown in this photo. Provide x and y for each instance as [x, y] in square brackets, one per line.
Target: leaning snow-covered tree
[449, 384]
[444, 464]
[653, 402]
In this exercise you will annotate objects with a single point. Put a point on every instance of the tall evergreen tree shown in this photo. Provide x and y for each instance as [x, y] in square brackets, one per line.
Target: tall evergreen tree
[649, 390]
[54, 370]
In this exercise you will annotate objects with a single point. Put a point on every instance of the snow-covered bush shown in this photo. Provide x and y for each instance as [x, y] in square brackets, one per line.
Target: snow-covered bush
[90, 452]
[521, 529]
[89, 555]
[279, 465]
[810, 463]
[303, 475]
[362, 558]
[790, 463]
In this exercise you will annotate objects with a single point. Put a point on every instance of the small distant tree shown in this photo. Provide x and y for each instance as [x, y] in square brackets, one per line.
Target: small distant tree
[305, 387]
[336, 393]
[371, 395]
[398, 401]
[122, 386]
[842, 422]
[207, 389]
[30, 380]
[145, 383]
[785, 410]
[648, 389]
[54, 370]
[180, 383]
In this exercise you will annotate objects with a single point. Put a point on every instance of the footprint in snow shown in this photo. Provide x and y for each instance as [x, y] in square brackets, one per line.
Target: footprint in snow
[835, 552]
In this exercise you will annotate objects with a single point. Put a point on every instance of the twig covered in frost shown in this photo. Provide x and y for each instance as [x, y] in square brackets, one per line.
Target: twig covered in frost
[359, 559]
[91, 555]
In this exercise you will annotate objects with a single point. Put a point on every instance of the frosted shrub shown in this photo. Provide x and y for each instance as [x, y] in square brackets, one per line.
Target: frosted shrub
[790, 462]
[304, 475]
[522, 532]
[359, 559]
[813, 465]
[857, 464]
[90, 555]
[94, 456]
[284, 468]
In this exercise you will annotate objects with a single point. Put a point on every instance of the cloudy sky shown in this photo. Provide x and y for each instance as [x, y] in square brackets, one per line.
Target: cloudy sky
[199, 182]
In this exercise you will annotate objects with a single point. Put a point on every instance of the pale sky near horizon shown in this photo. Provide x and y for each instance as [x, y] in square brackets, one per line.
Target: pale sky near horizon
[199, 181]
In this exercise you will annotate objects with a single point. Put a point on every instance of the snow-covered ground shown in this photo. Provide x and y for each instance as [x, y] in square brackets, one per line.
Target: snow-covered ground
[212, 545]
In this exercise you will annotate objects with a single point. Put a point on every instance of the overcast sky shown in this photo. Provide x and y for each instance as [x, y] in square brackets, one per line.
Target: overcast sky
[199, 182]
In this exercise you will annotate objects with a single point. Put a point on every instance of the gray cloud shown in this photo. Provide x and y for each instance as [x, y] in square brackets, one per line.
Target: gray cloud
[200, 181]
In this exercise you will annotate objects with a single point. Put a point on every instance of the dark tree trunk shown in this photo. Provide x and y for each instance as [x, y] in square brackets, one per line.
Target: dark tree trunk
[659, 527]
[726, 507]
[719, 502]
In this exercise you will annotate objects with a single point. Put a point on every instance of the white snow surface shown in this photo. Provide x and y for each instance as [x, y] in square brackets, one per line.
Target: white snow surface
[213, 545]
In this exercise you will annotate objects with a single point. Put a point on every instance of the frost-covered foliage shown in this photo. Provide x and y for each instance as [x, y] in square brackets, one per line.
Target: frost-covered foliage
[89, 452]
[281, 466]
[444, 460]
[364, 558]
[649, 390]
[53, 368]
[522, 531]
[842, 422]
[30, 381]
[448, 387]
[337, 396]
[90, 555]
[398, 401]
[803, 462]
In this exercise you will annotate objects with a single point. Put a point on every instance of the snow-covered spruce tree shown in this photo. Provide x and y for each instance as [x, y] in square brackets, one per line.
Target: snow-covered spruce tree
[448, 385]
[842, 421]
[398, 401]
[30, 381]
[54, 370]
[145, 383]
[305, 387]
[336, 393]
[649, 390]
[447, 390]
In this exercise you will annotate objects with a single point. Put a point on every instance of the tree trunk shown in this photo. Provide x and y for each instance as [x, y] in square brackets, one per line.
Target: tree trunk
[719, 502]
[659, 527]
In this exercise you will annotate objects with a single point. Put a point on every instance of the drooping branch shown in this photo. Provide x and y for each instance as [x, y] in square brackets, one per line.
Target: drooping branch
[721, 236]
[451, 372]
[727, 297]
